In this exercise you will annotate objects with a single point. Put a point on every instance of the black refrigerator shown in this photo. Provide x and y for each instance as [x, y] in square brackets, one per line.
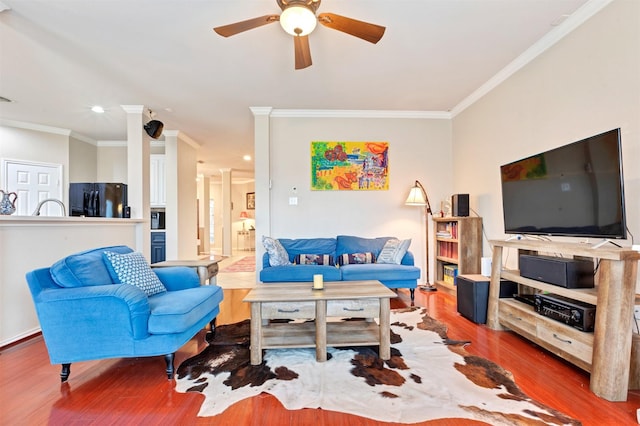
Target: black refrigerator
[98, 199]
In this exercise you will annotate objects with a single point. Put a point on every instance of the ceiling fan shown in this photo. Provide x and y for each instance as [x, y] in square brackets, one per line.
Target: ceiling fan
[299, 19]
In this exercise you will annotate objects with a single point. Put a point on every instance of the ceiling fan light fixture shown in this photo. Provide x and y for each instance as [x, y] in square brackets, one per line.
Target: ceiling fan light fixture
[298, 20]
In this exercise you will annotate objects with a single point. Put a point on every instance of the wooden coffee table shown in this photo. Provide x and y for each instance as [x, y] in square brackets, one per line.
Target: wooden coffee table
[299, 301]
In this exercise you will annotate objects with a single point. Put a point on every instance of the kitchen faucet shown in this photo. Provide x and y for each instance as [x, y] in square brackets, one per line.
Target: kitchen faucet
[37, 210]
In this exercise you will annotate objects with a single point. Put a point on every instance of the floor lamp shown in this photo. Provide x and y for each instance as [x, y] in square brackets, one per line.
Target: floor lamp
[418, 197]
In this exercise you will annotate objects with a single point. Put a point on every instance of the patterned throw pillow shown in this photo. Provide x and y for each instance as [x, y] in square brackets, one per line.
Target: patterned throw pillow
[356, 258]
[133, 269]
[278, 255]
[393, 251]
[314, 259]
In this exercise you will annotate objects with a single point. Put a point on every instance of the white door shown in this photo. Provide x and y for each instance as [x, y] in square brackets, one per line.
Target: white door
[34, 182]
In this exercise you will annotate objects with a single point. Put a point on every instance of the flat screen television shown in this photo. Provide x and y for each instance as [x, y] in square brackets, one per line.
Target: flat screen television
[575, 190]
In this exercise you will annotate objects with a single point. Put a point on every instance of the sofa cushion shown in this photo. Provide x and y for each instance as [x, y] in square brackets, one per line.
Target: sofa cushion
[356, 258]
[350, 244]
[309, 245]
[85, 268]
[314, 259]
[176, 311]
[277, 253]
[299, 273]
[393, 251]
[379, 271]
[133, 269]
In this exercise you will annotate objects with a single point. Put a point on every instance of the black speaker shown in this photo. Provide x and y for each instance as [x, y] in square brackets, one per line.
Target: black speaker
[460, 204]
[472, 296]
[154, 128]
[569, 273]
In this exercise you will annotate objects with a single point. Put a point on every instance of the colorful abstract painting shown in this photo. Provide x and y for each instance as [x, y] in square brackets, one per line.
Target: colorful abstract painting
[349, 166]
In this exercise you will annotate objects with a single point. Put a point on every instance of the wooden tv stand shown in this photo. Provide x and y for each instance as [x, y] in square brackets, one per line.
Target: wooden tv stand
[606, 352]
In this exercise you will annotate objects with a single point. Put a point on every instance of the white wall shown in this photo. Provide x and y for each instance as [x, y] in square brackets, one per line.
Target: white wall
[419, 148]
[182, 194]
[38, 146]
[111, 164]
[586, 84]
[82, 161]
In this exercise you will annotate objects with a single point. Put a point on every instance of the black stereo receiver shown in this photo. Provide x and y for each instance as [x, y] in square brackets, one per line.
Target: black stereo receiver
[571, 312]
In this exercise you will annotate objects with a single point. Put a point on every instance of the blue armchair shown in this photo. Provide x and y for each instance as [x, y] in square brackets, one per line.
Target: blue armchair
[88, 310]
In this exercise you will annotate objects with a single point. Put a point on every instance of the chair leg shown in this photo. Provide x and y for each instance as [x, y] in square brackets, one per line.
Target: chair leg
[212, 333]
[169, 360]
[64, 373]
[413, 294]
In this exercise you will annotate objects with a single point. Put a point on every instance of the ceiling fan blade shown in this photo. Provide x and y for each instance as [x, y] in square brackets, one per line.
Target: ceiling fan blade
[302, 51]
[249, 24]
[364, 30]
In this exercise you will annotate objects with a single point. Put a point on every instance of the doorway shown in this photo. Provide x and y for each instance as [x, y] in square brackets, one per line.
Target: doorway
[33, 182]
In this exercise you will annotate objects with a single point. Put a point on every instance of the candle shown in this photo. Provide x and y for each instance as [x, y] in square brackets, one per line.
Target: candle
[317, 282]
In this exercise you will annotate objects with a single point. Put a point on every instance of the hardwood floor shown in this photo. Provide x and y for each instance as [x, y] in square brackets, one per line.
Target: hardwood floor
[135, 391]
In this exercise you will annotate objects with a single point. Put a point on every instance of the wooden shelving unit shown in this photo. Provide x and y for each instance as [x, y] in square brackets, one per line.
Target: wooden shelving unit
[606, 352]
[461, 248]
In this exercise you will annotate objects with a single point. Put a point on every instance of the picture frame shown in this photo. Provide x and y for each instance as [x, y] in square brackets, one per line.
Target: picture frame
[251, 200]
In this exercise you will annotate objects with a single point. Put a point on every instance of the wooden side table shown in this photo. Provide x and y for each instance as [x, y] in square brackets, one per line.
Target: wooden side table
[207, 269]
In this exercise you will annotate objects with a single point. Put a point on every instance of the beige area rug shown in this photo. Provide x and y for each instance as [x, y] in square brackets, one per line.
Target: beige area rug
[246, 264]
[428, 377]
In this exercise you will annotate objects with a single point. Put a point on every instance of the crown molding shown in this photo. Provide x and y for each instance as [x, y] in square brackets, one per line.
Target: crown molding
[181, 136]
[319, 113]
[261, 110]
[548, 40]
[36, 127]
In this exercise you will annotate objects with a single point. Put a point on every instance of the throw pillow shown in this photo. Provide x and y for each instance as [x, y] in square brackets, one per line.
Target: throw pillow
[356, 258]
[314, 259]
[393, 251]
[278, 255]
[133, 269]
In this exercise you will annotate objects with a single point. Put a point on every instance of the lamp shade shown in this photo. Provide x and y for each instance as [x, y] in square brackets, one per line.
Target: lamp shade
[244, 215]
[298, 20]
[416, 197]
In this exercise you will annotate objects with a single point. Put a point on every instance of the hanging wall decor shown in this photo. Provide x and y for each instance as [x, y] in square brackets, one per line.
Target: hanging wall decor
[349, 166]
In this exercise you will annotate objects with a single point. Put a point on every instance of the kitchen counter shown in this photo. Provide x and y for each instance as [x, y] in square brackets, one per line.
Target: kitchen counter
[13, 219]
[30, 242]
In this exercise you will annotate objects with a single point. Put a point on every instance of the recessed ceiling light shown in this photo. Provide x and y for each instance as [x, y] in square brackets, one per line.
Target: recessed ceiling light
[97, 109]
[247, 158]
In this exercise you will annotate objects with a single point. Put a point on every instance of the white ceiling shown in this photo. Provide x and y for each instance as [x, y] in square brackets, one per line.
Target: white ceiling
[60, 57]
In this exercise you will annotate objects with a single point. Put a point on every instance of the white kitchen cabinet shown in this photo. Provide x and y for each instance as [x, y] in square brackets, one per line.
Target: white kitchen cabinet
[157, 181]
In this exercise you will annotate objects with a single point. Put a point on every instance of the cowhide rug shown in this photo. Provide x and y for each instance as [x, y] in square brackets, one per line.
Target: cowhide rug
[428, 377]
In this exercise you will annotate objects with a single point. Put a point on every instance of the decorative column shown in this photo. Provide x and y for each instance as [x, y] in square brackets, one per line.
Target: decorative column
[262, 142]
[138, 151]
[204, 195]
[227, 207]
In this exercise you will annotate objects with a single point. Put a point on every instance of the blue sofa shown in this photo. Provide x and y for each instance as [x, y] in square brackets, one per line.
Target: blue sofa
[86, 313]
[402, 275]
